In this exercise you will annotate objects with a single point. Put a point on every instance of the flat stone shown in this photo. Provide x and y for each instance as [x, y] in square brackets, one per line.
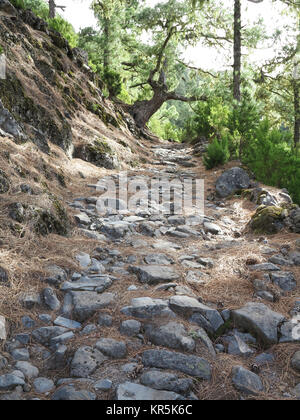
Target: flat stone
[264, 359]
[83, 259]
[20, 355]
[10, 381]
[154, 274]
[166, 381]
[172, 335]
[67, 323]
[264, 267]
[68, 393]
[112, 348]
[279, 260]
[187, 306]
[85, 304]
[188, 364]
[130, 391]
[28, 369]
[61, 339]
[146, 307]
[161, 244]
[103, 385]
[285, 280]
[258, 319]
[44, 335]
[130, 327]
[82, 218]
[212, 228]
[88, 284]
[158, 259]
[43, 385]
[245, 381]
[86, 360]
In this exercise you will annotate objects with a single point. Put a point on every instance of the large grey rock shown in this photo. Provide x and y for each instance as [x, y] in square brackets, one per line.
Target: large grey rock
[130, 327]
[158, 259]
[133, 392]
[43, 385]
[20, 355]
[154, 274]
[28, 369]
[285, 280]
[10, 381]
[116, 230]
[85, 304]
[264, 267]
[146, 307]
[189, 364]
[187, 306]
[258, 319]
[86, 360]
[112, 348]
[3, 333]
[245, 381]
[172, 335]
[44, 335]
[232, 181]
[167, 381]
[69, 393]
[88, 284]
[67, 323]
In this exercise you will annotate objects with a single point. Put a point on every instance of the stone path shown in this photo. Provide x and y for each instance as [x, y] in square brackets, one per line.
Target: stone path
[130, 323]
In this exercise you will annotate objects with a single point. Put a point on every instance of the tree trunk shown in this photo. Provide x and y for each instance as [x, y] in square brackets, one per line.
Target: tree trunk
[52, 7]
[106, 50]
[297, 115]
[237, 51]
[142, 111]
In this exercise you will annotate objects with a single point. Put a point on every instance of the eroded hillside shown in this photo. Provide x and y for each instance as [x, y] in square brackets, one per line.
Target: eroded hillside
[134, 304]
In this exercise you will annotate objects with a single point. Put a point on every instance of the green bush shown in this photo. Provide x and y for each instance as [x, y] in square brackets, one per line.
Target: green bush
[216, 154]
[270, 156]
[41, 9]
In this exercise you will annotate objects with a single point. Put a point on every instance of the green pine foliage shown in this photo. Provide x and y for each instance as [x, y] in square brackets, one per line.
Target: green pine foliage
[41, 9]
[217, 154]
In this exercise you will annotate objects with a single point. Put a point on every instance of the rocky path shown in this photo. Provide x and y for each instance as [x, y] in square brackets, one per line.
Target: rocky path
[150, 313]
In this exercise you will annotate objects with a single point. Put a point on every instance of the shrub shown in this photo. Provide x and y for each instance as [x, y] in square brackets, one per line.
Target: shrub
[270, 156]
[217, 153]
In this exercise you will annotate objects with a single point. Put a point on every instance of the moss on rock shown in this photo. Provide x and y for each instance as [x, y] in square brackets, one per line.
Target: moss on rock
[268, 220]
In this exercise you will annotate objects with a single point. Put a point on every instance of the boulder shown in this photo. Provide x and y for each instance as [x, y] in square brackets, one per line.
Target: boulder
[258, 319]
[231, 181]
[188, 364]
[247, 382]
